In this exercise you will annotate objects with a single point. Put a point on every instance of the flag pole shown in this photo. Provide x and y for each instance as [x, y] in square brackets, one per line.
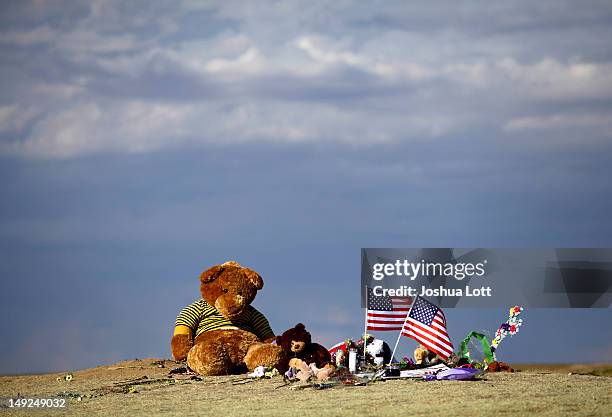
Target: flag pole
[365, 326]
[402, 329]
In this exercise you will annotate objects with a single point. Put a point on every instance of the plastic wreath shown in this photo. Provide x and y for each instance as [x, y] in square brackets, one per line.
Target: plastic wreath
[510, 327]
[484, 342]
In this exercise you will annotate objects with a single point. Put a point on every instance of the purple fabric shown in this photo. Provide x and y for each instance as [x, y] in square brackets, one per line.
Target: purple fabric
[458, 374]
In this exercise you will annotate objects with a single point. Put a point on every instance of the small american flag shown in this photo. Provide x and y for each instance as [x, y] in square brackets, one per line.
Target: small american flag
[386, 313]
[338, 346]
[427, 325]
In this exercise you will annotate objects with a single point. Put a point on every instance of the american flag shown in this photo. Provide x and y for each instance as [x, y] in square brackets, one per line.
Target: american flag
[427, 325]
[386, 313]
[338, 346]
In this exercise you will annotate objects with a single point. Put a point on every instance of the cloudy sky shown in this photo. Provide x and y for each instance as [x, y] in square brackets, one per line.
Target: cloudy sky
[141, 142]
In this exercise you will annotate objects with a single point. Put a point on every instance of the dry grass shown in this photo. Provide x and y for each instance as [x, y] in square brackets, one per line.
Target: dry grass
[542, 390]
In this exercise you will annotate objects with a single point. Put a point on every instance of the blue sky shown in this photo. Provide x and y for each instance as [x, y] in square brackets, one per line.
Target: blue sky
[143, 143]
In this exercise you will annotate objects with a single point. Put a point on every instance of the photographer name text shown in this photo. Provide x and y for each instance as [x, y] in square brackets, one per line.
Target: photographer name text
[407, 291]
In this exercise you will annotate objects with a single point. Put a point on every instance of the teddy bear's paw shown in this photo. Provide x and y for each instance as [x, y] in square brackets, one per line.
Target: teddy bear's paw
[180, 345]
[209, 358]
[263, 354]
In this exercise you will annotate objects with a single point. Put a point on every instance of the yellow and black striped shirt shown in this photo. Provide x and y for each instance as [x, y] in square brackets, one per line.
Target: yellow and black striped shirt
[201, 317]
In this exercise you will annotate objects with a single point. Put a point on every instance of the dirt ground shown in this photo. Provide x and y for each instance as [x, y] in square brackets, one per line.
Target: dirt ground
[144, 387]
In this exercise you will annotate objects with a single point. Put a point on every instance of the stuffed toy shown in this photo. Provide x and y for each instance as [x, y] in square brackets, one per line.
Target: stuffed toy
[297, 343]
[499, 367]
[424, 357]
[222, 333]
[378, 352]
[298, 369]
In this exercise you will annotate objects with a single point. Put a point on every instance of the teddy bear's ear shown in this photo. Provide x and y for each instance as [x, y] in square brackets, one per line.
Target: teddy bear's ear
[254, 278]
[211, 274]
[232, 263]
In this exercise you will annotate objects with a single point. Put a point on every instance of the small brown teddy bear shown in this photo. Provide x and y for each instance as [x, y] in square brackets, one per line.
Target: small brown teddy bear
[297, 343]
[222, 333]
[499, 367]
[424, 357]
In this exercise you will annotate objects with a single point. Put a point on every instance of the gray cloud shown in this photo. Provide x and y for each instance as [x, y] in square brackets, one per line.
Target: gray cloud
[118, 81]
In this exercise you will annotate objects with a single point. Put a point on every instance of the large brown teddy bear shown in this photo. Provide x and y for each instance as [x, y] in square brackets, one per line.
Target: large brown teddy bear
[297, 343]
[222, 333]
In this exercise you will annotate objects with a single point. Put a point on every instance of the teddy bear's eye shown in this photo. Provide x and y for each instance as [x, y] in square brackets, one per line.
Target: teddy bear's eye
[225, 290]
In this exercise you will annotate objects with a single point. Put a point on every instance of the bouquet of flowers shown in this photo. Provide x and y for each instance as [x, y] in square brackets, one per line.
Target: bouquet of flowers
[510, 327]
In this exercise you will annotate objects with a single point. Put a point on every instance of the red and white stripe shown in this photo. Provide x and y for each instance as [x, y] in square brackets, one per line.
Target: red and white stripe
[434, 337]
[390, 320]
[339, 346]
